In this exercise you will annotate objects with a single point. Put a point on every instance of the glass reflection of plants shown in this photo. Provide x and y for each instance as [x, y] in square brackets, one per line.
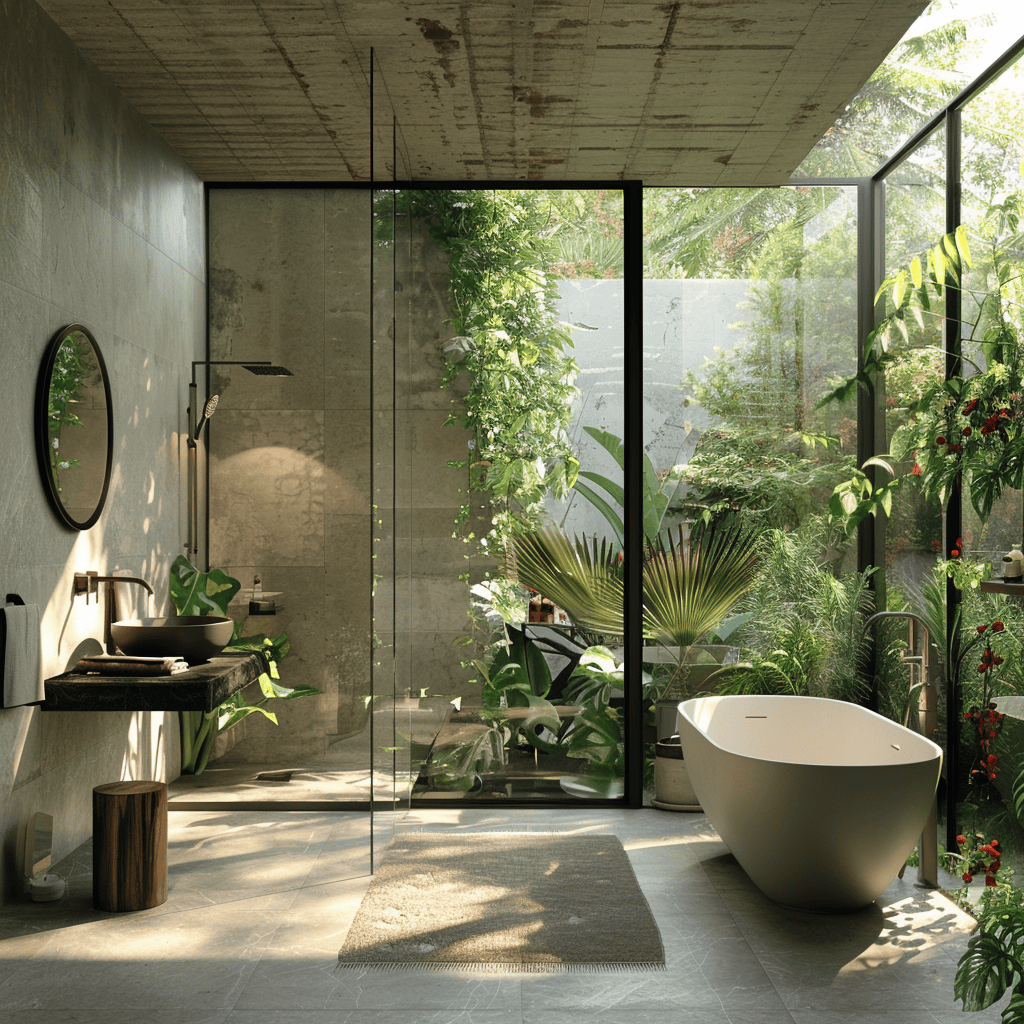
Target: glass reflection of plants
[72, 368]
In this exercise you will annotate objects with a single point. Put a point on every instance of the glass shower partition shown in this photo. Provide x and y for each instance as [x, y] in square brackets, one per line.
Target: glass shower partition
[389, 704]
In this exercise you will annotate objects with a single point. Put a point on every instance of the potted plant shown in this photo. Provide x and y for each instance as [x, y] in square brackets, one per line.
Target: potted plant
[197, 593]
[689, 586]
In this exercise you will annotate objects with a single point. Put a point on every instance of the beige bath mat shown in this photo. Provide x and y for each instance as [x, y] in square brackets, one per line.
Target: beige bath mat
[504, 901]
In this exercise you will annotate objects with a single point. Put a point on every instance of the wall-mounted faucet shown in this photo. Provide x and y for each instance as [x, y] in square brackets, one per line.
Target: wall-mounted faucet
[88, 583]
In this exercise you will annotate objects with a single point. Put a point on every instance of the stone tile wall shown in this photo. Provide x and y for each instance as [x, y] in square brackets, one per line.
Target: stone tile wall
[290, 491]
[100, 223]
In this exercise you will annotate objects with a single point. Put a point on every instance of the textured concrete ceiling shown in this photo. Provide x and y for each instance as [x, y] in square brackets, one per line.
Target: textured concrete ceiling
[696, 92]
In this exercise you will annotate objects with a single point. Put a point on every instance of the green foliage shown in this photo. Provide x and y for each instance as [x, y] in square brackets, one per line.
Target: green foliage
[200, 593]
[584, 228]
[967, 426]
[72, 367]
[197, 593]
[658, 491]
[509, 360]
[688, 586]
[767, 454]
[918, 76]
[993, 963]
[806, 634]
[854, 499]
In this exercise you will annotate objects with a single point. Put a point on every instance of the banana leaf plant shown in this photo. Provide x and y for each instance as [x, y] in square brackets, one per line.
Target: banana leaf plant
[658, 491]
[197, 593]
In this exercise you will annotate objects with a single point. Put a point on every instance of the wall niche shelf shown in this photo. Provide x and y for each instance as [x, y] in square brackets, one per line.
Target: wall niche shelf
[1002, 587]
[202, 688]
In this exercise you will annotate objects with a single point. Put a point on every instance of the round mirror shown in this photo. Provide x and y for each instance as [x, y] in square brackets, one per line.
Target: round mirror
[74, 427]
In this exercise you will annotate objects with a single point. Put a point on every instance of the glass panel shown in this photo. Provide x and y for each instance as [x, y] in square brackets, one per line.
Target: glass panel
[490, 433]
[392, 709]
[915, 211]
[288, 490]
[749, 317]
[943, 51]
[992, 197]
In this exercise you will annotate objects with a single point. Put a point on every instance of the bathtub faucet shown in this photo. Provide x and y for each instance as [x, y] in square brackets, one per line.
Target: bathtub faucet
[920, 676]
[927, 718]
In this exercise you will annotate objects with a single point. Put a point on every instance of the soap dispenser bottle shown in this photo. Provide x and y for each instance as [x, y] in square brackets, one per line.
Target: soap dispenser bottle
[1013, 564]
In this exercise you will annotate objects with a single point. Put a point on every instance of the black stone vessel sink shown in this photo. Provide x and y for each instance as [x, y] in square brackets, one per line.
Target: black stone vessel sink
[192, 637]
[201, 688]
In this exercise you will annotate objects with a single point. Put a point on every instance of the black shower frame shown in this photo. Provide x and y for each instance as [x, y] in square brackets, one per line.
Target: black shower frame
[870, 411]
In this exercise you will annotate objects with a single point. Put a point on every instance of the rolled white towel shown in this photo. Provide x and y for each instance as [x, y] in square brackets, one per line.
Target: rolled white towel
[22, 655]
[127, 665]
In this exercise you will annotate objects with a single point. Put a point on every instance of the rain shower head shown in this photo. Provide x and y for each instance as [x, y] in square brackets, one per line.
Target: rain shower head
[265, 370]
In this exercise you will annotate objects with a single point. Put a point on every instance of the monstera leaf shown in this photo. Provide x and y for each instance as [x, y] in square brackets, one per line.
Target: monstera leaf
[200, 593]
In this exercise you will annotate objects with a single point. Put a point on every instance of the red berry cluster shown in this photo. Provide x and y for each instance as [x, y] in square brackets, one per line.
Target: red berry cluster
[994, 423]
[978, 859]
[988, 725]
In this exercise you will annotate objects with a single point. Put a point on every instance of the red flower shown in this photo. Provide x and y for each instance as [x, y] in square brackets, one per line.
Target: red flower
[961, 839]
[990, 880]
[997, 626]
[967, 431]
[981, 629]
[940, 440]
[967, 877]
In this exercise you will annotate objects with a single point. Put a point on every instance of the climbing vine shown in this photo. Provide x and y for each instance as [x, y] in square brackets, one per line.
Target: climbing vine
[509, 363]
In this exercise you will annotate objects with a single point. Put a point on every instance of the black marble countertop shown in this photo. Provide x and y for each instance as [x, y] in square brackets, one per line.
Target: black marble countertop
[201, 688]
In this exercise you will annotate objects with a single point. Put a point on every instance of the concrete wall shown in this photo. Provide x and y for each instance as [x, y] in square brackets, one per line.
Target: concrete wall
[100, 223]
[290, 484]
[290, 456]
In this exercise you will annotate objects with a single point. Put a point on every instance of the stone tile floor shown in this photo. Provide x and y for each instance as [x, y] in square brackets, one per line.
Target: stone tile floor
[260, 901]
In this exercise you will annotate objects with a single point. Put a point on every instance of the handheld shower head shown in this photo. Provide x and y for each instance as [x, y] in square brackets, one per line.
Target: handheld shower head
[208, 410]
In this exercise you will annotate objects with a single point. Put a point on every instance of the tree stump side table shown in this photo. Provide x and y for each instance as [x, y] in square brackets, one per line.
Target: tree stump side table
[129, 854]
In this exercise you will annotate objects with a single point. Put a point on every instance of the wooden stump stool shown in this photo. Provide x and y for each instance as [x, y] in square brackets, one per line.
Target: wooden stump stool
[129, 854]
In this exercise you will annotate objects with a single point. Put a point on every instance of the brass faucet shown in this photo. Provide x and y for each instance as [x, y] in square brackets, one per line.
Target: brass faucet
[88, 583]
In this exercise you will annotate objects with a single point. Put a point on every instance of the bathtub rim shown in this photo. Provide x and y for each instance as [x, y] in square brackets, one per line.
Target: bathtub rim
[937, 752]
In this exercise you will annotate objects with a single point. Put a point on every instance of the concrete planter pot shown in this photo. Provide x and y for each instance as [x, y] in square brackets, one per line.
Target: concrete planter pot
[672, 789]
[704, 663]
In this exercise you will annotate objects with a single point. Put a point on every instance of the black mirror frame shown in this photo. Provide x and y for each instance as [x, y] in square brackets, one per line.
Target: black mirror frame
[42, 428]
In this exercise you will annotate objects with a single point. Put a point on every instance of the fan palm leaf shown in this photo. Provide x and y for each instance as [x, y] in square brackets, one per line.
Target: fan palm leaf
[581, 580]
[690, 586]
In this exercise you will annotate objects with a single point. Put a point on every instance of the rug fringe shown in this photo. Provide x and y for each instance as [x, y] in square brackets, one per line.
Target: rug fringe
[506, 968]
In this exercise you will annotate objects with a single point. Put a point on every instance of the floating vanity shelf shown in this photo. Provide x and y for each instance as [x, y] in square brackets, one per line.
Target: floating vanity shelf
[201, 688]
[1002, 587]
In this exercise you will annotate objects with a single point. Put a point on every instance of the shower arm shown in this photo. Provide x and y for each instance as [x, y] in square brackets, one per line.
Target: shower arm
[195, 425]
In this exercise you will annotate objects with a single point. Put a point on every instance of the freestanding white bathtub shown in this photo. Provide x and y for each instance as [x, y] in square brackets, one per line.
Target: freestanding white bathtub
[820, 801]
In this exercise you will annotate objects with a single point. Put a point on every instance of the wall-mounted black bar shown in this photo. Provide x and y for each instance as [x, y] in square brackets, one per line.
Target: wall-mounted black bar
[952, 332]
[633, 533]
